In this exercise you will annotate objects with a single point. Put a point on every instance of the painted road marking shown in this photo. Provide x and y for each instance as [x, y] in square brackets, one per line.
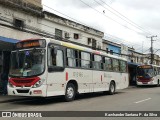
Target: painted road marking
[143, 100]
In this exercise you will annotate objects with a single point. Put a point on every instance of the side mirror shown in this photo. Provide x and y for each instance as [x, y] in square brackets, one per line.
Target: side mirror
[54, 51]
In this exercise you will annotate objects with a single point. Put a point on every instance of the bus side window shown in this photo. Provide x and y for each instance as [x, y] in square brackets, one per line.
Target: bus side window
[115, 65]
[97, 62]
[108, 64]
[158, 70]
[123, 66]
[57, 60]
[85, 60]
[52, 58]
[72, 58]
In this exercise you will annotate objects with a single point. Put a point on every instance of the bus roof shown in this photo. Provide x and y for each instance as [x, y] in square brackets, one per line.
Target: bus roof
[78, 47]
[74, 46]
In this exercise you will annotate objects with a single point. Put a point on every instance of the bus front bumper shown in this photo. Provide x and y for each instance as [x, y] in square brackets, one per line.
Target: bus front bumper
[146, 83]
[28, 91]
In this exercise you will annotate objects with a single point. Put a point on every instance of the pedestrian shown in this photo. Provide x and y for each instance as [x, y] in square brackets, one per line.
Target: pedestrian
[4, 79]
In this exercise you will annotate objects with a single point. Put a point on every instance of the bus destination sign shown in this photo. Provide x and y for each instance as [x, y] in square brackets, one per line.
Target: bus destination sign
[145, 66]
[30, 44]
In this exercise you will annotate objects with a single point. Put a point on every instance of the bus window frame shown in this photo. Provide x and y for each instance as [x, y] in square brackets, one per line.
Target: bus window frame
[126, 70]
[93, 61]
[80, 59]
[118, 65]
[52, 68]
[109, 70]
[76, 59]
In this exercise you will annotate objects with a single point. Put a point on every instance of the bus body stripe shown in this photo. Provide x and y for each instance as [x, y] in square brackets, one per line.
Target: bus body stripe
[66, 76]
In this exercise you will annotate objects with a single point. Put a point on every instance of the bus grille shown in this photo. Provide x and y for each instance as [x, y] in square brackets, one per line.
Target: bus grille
[22, 91]
[25, 82]
[144, 79]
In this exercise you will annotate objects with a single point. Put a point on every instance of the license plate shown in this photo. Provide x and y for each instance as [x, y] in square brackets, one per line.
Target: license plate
[145, 83]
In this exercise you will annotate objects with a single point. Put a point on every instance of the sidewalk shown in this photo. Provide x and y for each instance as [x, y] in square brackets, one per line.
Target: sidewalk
[129, 87]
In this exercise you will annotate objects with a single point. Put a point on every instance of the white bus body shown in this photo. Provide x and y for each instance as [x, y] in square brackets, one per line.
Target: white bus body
[66, 78]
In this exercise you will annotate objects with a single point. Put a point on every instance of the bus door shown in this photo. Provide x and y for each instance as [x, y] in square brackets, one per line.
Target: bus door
[98, 74]
[56, 72]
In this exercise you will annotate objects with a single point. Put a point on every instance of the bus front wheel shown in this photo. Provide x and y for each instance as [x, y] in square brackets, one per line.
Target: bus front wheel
[70, 92]
[158, 84]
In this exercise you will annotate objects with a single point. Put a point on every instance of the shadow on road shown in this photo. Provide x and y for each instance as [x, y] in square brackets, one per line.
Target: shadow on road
[60, 99]
[147, 86]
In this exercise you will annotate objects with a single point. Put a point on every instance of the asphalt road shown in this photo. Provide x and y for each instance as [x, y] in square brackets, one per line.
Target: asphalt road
[131, 99]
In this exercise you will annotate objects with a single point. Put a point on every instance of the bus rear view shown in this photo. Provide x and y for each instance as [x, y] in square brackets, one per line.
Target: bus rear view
[147, 75]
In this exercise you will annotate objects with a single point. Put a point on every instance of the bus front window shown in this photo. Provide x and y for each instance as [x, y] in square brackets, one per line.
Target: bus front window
[145, 72]
[27, 63]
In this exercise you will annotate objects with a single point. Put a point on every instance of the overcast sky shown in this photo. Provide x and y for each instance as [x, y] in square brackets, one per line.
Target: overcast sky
[137, 18]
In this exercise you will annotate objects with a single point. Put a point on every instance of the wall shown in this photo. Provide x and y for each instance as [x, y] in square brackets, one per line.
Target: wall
[51, 22]
[114, 48]
[8, 15]
[35, 2]
[45, 25]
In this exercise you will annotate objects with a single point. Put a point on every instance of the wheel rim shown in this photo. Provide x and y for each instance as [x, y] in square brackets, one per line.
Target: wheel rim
[112, 88]
[70, 92]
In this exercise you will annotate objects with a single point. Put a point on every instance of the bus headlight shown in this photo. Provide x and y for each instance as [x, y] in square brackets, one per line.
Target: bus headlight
[38, 83]
[10, 84]
[152, 79]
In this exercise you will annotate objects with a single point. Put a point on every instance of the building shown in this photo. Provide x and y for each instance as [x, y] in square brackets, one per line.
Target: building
[112, 47]
[71, 31]
[23, 19]
[15, 15]
[116, 48]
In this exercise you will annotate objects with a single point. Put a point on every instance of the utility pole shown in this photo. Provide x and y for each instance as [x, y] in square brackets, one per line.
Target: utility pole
[152, 55]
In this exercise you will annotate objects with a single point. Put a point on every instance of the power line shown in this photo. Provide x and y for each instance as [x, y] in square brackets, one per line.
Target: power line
[80, 21]
[121, 41]
[108, 16]
[67, 15]
[122, 17]
[133, 23]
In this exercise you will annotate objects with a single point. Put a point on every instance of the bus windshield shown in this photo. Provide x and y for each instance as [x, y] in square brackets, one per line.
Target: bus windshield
[145, 72]
[27, 63]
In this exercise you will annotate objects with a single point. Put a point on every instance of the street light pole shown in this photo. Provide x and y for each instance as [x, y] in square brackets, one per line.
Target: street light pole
[152, 55]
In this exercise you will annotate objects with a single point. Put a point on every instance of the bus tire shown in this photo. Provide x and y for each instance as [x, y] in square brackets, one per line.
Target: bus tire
[158, 84]
[70, 92]
[112, 88]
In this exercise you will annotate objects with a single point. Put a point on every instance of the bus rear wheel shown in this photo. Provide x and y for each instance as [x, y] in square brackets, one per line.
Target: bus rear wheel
[70, 92]
[112, 88]
[158, 84]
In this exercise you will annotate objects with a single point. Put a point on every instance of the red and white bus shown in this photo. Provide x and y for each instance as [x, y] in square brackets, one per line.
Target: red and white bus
[148, 75]
[48, 67]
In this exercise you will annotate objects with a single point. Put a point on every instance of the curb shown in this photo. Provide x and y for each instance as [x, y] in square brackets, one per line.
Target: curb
[7, 98]
[129, 87]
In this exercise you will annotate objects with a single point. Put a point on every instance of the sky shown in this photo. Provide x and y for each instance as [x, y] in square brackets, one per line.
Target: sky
[122, 21]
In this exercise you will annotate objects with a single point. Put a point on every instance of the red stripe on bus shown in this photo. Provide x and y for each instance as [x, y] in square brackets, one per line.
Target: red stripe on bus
[66, 76]
[18, 82]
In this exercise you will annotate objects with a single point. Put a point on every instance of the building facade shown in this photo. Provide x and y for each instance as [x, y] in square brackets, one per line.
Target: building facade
[71, 31]
[25, 19]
